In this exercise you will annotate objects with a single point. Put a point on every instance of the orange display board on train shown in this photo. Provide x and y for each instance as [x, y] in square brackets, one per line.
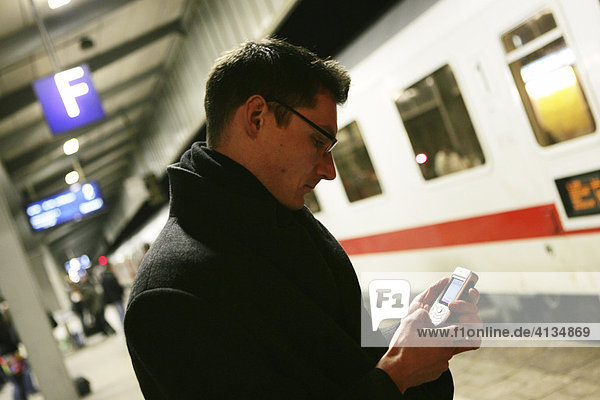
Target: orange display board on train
[580, 194]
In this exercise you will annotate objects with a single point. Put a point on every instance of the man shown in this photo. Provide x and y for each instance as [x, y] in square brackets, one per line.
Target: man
[244, 294]
[92, 302]
[111, 289]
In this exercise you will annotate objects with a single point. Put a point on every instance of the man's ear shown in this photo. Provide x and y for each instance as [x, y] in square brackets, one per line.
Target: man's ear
[255, 110]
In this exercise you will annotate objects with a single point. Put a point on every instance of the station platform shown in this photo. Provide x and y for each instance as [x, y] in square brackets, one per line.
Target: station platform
[528, 373]
[104, 361]
[486, 374]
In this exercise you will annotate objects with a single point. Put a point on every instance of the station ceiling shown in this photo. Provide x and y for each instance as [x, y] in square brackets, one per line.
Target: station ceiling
[128, 46]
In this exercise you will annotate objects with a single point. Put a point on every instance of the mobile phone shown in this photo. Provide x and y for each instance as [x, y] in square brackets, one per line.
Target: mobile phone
[461, 281]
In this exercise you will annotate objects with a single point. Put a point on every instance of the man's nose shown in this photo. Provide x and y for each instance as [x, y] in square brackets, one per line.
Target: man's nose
[326, 168]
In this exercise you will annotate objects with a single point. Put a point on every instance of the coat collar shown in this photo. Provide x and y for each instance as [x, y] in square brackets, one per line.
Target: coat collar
[206, 181]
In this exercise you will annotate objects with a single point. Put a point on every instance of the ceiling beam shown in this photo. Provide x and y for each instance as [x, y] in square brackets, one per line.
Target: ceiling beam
[25, 96]
[31, 176]
[21, 44]
[114, 157]
[59, 184]
[15, 146]
[111, 186]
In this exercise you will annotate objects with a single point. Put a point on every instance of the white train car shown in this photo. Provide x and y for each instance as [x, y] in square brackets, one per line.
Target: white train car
[470, 138]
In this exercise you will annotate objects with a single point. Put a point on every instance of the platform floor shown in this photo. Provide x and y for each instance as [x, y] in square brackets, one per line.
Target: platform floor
[527, 373]
[106, 364]
[486, 374]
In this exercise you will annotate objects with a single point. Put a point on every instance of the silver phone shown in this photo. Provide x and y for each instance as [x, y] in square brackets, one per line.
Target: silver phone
[461, 281]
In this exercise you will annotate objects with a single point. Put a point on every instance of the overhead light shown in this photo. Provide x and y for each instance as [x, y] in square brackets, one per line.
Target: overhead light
[71, 146]
[53, 4]
[72, 177]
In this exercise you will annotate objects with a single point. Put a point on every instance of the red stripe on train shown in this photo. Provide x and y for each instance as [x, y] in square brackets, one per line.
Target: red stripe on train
[527, 223]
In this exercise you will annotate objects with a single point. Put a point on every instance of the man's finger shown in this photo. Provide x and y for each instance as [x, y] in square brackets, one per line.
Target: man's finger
[463, 307]
[474, 295]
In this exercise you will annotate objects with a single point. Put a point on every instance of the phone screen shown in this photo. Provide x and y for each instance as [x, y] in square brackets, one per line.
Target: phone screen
[452, 291]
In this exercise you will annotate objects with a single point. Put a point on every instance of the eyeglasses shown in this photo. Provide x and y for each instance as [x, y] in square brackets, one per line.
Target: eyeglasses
[332, 140]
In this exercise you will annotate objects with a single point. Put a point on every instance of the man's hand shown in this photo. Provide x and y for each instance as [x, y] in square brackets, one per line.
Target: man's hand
[412, 360]
[462, 312]
[467, 313]
[408, 365]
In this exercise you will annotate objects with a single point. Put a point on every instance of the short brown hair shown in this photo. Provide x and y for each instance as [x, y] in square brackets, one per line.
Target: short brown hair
[275, 69]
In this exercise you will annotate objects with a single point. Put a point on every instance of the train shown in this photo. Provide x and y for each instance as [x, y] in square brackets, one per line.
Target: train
[475, 127]
[470, 138]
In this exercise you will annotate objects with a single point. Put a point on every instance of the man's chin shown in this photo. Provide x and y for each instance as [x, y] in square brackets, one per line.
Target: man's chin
[296, 207]
[294, 204]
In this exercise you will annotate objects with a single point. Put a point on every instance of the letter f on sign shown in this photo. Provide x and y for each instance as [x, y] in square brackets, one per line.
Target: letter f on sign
[69, 93]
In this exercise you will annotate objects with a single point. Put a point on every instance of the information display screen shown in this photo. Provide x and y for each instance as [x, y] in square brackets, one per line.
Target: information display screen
[72, 204]
[580, 194]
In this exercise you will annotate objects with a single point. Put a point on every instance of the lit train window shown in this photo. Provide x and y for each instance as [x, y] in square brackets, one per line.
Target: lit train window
[532, 28]
[354, 164]
[311, 201]
[438, 125]
[548, 83]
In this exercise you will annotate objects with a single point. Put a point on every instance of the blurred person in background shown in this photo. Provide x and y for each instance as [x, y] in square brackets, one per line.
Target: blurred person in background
[93, 304]
[112, 289]
[78, 335]
[14, 366]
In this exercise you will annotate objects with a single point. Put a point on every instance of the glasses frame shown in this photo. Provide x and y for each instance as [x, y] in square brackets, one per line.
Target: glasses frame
[308, 121]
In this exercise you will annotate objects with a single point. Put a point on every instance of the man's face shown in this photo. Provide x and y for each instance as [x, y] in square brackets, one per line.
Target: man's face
[295, 160]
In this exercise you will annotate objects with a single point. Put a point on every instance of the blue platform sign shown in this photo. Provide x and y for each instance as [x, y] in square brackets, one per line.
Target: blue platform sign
[69, 99]
[72, 204]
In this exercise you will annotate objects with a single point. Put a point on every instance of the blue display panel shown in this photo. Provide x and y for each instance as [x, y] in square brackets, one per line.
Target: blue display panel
[69, 99]
[66, 206]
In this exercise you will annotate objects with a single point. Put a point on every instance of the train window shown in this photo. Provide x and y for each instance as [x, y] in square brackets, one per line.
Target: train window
[354, 164]
[534, 27]
[438, 125]
[311, 201]
[548, 83]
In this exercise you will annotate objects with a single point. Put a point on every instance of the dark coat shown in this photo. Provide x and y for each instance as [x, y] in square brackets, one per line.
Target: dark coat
[112, 289]
[9, 340]
[241, 298]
